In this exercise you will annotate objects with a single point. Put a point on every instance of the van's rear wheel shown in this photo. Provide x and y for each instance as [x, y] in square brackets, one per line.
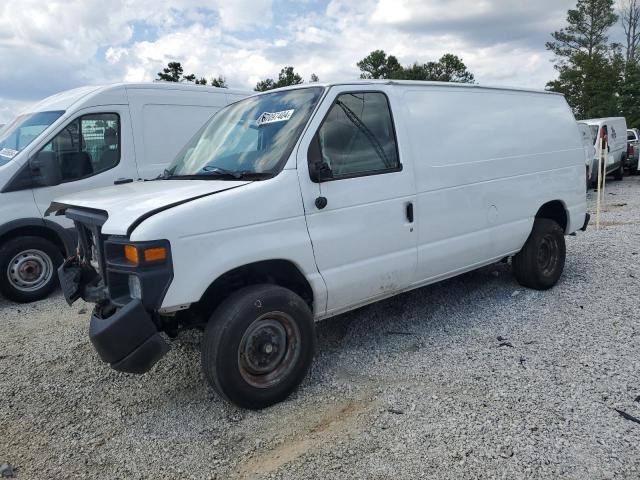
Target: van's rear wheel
[28, 267]
[540, 262]
[258, 346]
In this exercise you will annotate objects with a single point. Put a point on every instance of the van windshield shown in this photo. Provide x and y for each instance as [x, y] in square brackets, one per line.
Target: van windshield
[19, 133]
[250, 138]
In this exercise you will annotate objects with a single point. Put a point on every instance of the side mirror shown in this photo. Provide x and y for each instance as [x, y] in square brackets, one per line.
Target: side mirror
[45, 169]
[319, 171]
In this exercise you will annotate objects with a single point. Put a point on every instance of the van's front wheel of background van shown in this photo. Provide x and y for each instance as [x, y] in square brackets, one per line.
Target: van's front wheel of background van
[28, 267]
[540, 262]
[258, 346]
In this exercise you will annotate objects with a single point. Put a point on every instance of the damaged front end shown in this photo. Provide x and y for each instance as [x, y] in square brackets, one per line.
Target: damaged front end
[80, 275]
[126, 294]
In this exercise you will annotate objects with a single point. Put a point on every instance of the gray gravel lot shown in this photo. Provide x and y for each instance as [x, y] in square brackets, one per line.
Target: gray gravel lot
[474, 377]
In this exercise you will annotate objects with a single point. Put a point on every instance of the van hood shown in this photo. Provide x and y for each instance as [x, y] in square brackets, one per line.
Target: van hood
[128, 205]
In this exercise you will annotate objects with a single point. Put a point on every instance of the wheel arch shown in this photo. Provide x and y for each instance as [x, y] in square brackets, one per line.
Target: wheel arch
[39, 227]
[555, 210]
[282, 272]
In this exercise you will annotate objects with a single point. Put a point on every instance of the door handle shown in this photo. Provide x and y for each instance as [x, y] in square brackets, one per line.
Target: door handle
[409, 212]
[120, 181]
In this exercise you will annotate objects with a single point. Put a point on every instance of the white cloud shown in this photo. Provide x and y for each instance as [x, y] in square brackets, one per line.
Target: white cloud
[242, 14]
[55, 45]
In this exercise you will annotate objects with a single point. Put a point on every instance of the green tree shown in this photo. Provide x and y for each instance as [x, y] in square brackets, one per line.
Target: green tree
[589, 68]
[174, 72]
[286, 77]
[219, 82]
[264, 85]
[630, 94]
[314, 78]
[378, 65]
[450, 68]
[586, 31]
[201, 81]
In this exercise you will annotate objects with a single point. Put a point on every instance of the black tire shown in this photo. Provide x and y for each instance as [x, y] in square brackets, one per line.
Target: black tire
[618, 174]
[540, 262]
[28, 268]
[235, 359]
[588, 180]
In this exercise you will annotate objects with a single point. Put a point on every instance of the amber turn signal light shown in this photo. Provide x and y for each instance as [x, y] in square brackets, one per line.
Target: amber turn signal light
[131, 254]
[155, 254]
[152, 254]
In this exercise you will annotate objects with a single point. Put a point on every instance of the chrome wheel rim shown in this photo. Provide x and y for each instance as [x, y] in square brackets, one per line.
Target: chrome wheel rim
[30, 270]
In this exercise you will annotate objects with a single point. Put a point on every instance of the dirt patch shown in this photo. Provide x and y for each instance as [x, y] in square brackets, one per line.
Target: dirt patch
[341, 420]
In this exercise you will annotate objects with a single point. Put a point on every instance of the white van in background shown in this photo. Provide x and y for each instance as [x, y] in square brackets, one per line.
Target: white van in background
[588, 143]
[78, 140]
[301, 203]
[613, 131]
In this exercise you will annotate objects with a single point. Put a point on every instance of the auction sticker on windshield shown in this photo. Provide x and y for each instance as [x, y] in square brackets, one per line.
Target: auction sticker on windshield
[8, 152]
[272, 117]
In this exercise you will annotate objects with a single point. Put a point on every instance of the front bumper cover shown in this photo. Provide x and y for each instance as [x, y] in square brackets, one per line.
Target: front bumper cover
[127, 339]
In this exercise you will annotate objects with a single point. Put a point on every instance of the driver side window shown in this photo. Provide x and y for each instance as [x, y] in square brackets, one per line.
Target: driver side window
[87, 146]
[357, 136]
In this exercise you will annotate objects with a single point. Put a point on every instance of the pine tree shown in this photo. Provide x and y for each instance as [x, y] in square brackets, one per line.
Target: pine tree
[590, 69]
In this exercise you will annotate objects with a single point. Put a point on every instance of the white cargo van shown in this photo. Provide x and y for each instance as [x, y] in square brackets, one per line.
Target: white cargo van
[613, 133]
[302, 203]
[588, 143]
[84, 138]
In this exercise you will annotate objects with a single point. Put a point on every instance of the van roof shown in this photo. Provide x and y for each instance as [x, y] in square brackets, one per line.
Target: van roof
[417, 83]
[64, 100]
[599, 121]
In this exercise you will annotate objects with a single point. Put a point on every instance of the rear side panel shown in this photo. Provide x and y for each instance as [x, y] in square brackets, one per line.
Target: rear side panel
[485, 161]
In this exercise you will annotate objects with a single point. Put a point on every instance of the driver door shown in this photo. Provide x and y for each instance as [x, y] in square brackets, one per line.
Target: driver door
[361, 220]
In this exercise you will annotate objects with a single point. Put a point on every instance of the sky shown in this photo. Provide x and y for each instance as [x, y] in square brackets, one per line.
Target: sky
[47, 47]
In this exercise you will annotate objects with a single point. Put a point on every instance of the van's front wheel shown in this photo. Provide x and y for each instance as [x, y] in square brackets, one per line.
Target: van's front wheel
[258, 346]
[540, 262]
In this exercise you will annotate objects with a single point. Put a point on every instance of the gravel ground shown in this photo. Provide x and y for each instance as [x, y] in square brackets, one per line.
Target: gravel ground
[474, 377]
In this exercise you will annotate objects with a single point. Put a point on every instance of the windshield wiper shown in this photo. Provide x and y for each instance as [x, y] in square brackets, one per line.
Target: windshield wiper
[242, 175]
[165, 175]
[212, 170]
[218, 172]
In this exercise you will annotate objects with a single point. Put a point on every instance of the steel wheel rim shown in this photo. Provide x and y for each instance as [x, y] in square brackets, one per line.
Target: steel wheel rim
[548, 257]
[30, 270]
[269, 350]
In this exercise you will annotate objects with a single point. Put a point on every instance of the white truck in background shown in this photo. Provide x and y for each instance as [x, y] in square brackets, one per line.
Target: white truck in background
[302, 203]
[79, 140]
[612, 131]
